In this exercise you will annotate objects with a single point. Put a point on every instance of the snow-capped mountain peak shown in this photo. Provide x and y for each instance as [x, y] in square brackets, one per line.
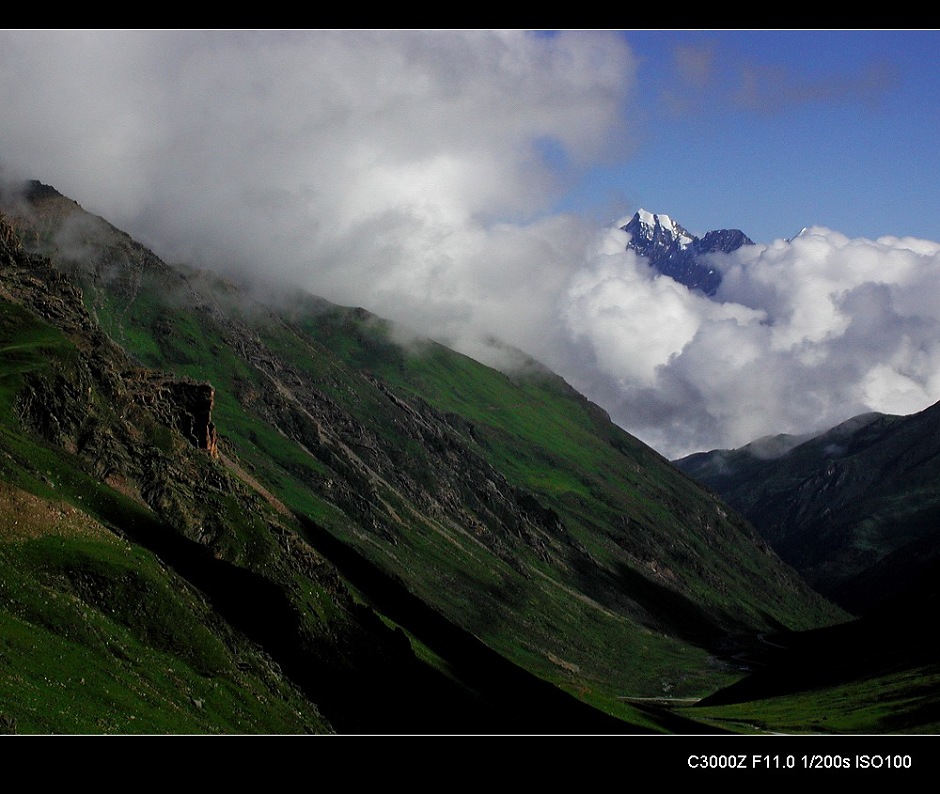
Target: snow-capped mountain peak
[676, 253]
[653, 226]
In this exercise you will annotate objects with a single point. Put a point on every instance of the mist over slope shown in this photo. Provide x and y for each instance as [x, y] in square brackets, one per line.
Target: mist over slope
[418, 175]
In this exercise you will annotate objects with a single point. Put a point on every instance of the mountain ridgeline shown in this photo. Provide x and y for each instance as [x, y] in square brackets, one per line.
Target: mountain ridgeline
[231, 513]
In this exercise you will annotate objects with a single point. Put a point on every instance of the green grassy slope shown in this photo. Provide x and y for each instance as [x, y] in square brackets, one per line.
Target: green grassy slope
[508, 503]
[148, 587]
[96, 633]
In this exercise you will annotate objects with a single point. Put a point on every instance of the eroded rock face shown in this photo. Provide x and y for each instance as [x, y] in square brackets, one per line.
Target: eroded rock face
[183, 404]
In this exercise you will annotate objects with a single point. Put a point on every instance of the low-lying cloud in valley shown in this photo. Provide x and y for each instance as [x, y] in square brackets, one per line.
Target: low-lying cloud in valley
[414, 174]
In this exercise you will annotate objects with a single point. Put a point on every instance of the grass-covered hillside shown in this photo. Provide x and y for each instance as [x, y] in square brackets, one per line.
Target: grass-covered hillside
[479, 514]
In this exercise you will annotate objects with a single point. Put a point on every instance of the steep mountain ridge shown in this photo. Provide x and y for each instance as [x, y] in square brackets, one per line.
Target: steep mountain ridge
[508, 504]
[206, 567]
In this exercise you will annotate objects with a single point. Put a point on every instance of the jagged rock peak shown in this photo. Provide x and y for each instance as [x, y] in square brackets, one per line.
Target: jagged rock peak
[675, 252]
[34, 189]
[653, 228]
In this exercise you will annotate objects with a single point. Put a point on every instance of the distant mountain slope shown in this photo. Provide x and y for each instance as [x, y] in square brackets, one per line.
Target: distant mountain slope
[855, 509]
[507, 504]
[676, 253]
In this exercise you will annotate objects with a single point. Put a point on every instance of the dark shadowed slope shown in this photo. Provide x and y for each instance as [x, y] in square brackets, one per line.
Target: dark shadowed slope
[855, 509]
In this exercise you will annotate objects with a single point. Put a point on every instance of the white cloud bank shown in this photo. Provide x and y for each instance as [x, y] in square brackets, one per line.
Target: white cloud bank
[801, 335]
[412, 173]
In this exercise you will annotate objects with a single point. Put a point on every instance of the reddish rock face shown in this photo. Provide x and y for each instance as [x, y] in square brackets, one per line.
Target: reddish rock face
[194, 403]
[180, 403]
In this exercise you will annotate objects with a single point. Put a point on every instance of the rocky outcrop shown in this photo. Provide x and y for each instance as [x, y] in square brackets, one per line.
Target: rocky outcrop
[181, 403]
[9, 242]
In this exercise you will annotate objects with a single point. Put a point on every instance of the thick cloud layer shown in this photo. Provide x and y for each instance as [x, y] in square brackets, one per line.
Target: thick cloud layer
[801, 335]
[407, 172]
[413, 173]
[326, 152]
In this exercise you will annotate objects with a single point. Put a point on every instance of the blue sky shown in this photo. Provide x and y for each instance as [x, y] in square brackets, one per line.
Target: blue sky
[842, 130]
[465, 183]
